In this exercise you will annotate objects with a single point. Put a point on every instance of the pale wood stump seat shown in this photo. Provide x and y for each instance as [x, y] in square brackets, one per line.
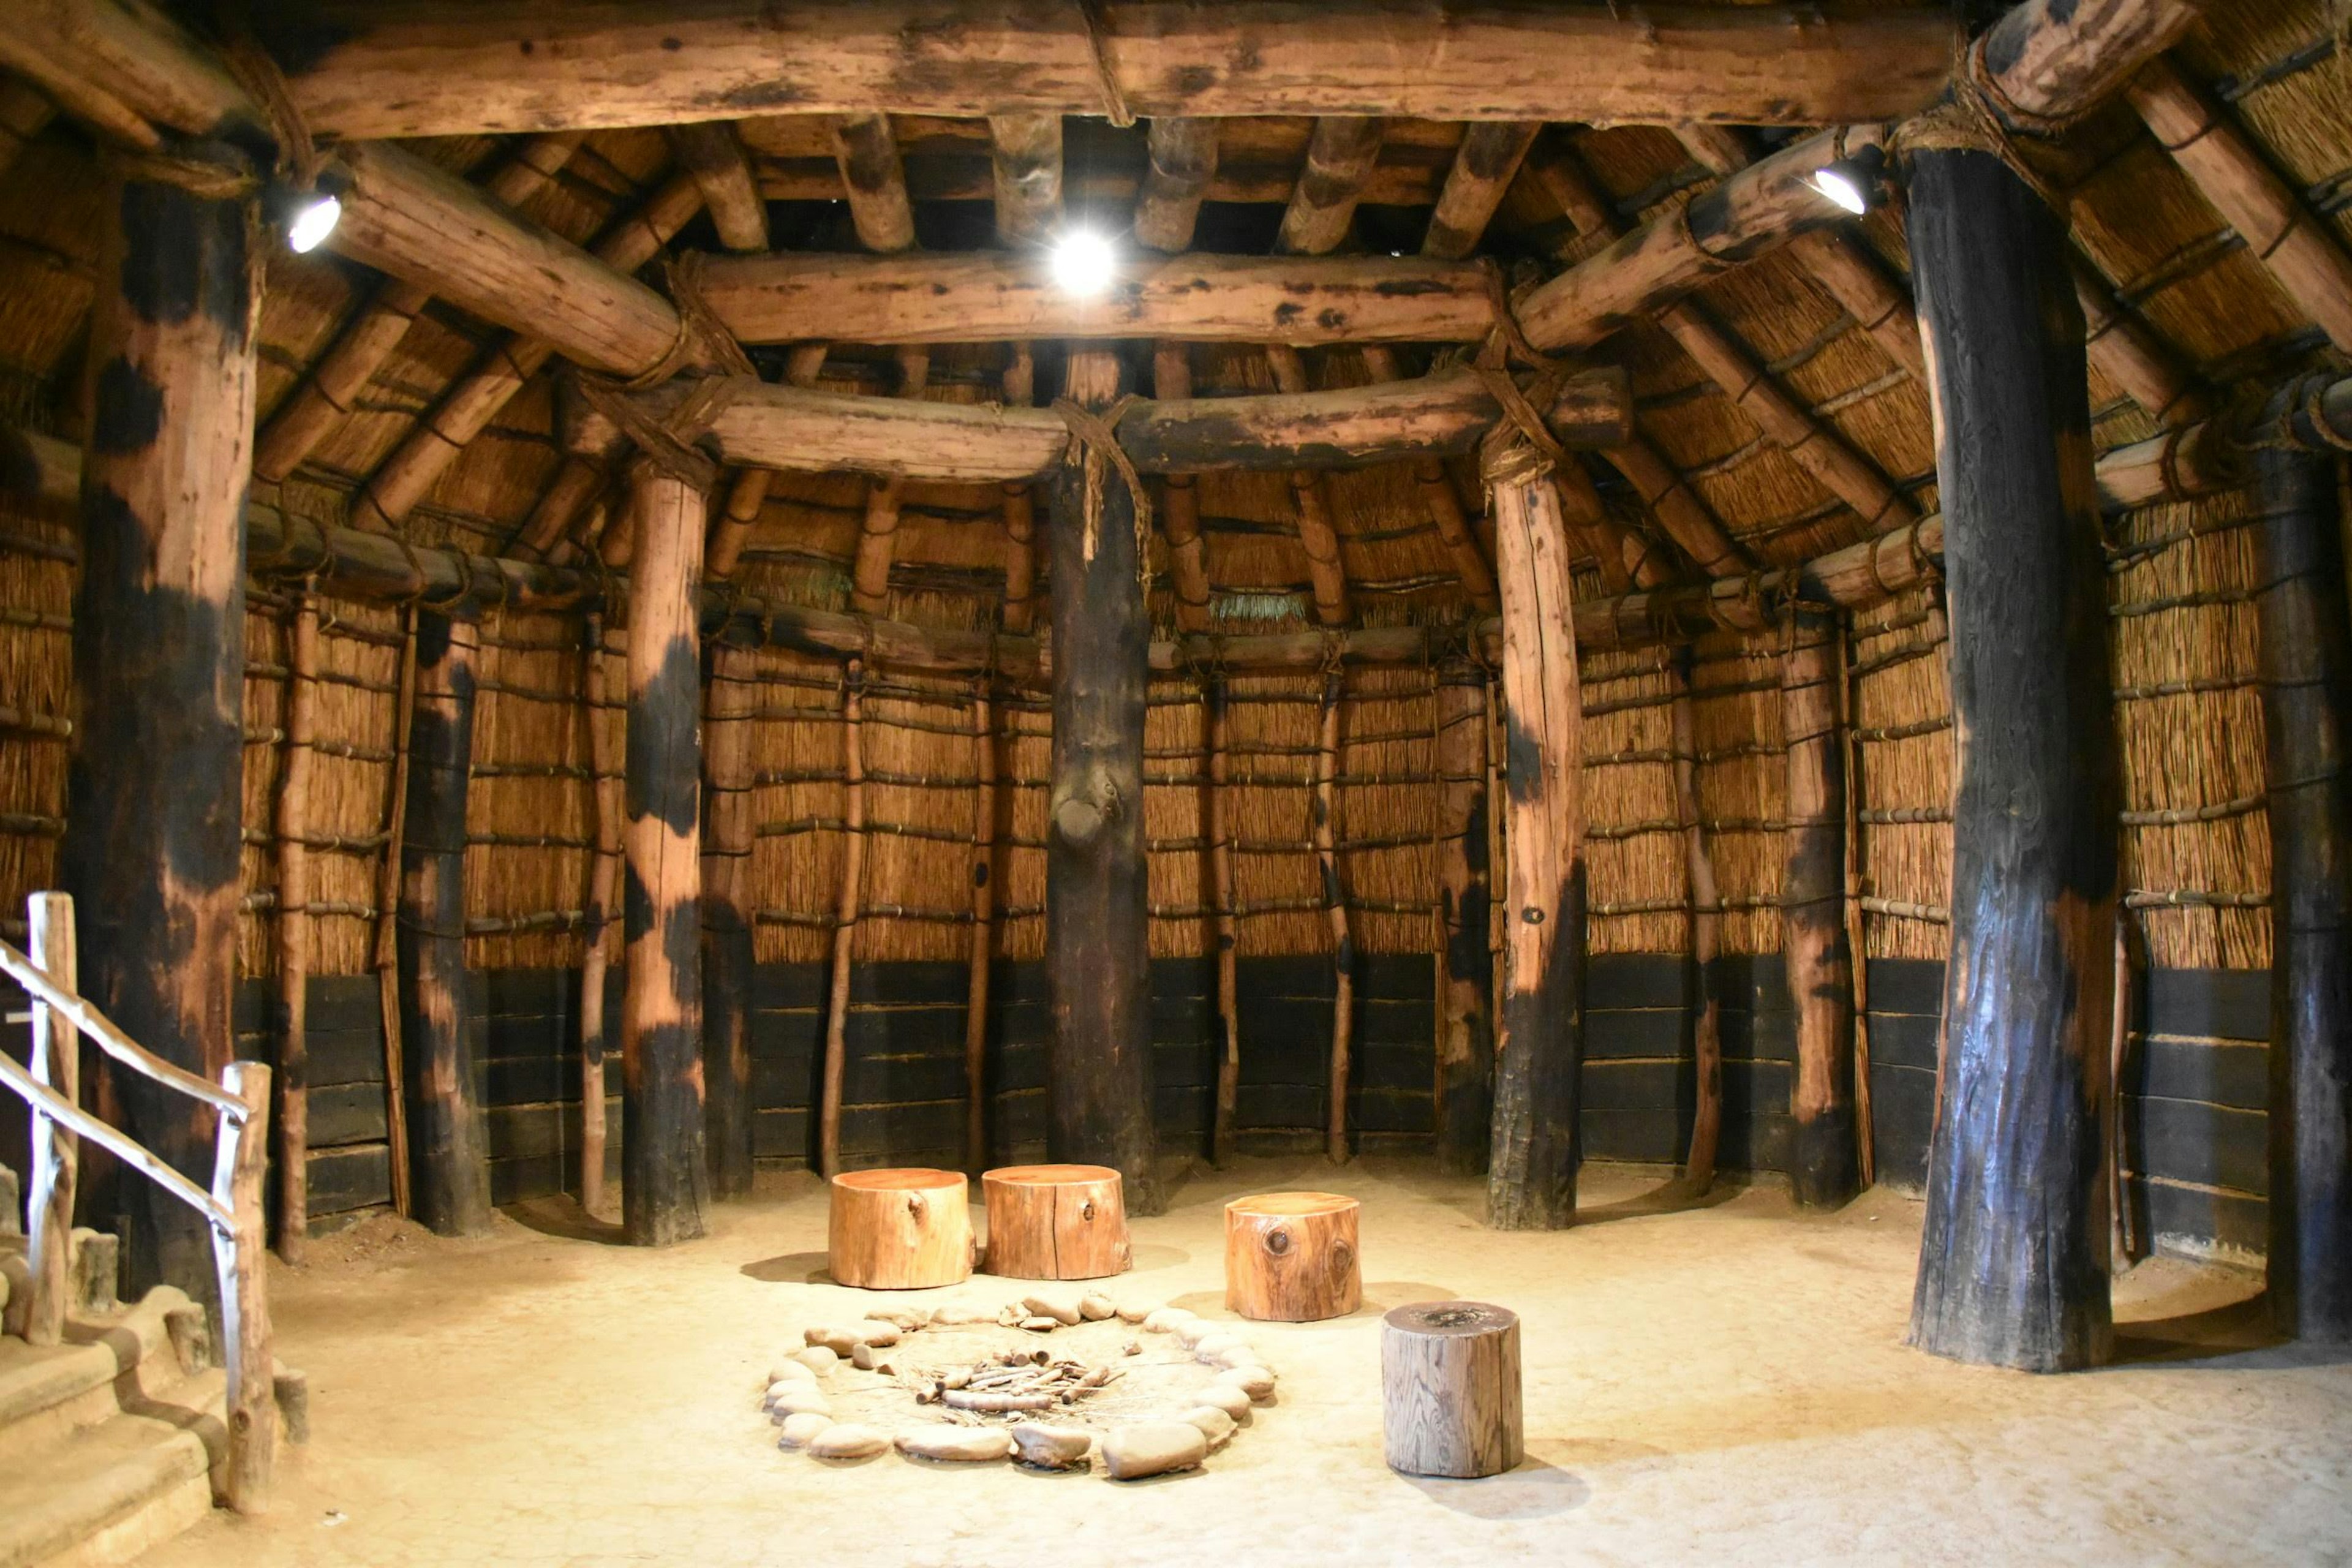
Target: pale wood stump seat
[902, 1228]
[1291, 1258]
[1055, 1222]
[1450, 1400]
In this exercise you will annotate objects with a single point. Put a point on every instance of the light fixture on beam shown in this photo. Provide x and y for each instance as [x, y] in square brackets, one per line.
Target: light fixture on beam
[1847, 184]
[1084, 262]
[306, 216]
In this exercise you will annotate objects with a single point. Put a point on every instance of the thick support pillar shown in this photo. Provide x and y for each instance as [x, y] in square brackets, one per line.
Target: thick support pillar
[1531, 1177]
[1824, 1168]
[665, 1186]
[2306, 695]
[2014, 1260]
[1097, 952]
[448, 1152]
[727, 836]
[151, 851]
[1465, 1001]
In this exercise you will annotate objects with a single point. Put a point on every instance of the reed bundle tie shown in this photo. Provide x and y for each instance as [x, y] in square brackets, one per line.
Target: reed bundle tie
[1980, 117]
[1094, 449]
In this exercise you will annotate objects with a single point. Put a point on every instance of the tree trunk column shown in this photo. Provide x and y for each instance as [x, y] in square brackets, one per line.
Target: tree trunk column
[449, 1150]
[1531, 1175]
[152, 789]
[2013, 1259]
[1098, 957]
[727, 959]
[1466, 1038]
[2306, 692]
[665, 1186]
[1824, 1169]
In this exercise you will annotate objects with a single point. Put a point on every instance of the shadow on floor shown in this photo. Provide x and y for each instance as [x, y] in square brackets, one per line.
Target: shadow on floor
[1678, 1196]
[561, 1216]
[2232, 1337]
[1536, 1488]
[792, 1268]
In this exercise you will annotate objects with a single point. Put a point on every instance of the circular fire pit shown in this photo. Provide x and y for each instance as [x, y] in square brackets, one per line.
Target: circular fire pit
[1051, 1381]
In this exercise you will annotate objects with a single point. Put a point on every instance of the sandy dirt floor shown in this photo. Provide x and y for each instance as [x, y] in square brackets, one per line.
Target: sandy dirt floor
[1721, 1385]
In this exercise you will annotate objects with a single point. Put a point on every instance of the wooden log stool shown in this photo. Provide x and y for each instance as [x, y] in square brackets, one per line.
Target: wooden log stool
[1055, 1222]
[1290, 1257]
[901, 1229]
[1450, 1389]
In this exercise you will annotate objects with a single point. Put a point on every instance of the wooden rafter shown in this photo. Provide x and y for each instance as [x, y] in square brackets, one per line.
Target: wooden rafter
[1444, 506]
[24, 114]
[1484, 167]
[1183, 160]
[875, 181]
[877, 534]
[1026, 156]
[712, 152]
[1311, 493]
[1340, 153]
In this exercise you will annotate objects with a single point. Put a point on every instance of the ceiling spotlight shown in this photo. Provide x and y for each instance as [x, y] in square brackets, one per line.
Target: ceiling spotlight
[1083, 262]
[1844, 183]
[314, 219]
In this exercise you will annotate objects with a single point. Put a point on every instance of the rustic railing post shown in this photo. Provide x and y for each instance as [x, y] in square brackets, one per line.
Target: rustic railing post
[240, 1162]
[57, 1149]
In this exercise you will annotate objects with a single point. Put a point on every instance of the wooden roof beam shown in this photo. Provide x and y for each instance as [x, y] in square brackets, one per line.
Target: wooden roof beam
[2043, 60]
[2300, 250]
[2129, 353]
[442, 67]
[326, 394]
[1182, 160]
[874, 181]
[748, 496]
[466, 410]
[985, 297]
[1484, 167]
[711, 151]
[1025, 155]
[25, 113]
[1179, 502]
[1444, 506]
[1340, 153]
[786, 428]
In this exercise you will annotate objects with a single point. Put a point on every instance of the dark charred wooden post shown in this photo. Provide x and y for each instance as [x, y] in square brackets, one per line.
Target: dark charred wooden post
[448, 1152]
[1466, 1036]
[1531, 1175]
[2306, 694]
[1097, 956]
[727, 836]
[665, 1185]
[2014, 1260]
[159, 662]
[1824, 1169]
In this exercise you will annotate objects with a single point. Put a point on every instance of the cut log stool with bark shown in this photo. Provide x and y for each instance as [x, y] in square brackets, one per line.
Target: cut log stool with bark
[901, 1229]
[1450, 1389]
[1290, 1257]
[1055, 1222]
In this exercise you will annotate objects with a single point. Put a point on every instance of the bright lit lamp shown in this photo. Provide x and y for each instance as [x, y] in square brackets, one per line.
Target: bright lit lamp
[1083, 262]
[1844, 185]
[310, 220]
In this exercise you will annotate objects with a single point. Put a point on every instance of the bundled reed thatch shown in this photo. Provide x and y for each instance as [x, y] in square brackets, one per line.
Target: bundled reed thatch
[1637, 876]
[1898, 669]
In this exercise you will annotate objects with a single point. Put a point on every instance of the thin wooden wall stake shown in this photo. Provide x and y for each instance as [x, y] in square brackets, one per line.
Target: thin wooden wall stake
[983, 924]
[387, 919]
[297, 787]
[1218, 808]
[605, 786]
[1856, 941]
[1465, 971]
[845, 920]
[1335, 911]
[1705, 932]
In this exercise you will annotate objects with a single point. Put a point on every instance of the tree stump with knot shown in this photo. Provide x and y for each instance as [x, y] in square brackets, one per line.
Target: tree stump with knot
[1290, 1257]
[900, 1229]
[1055, 1222]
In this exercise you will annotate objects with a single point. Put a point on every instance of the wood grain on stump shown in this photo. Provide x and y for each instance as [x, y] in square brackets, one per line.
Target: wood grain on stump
[900, 1229]
[1290, 1257]
[1450, 1389]
[1055, 1222]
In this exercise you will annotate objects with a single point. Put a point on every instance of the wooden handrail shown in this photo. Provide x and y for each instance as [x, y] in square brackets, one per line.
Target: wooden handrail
[110, 1039]
[231, 1206]
[128, 1150]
